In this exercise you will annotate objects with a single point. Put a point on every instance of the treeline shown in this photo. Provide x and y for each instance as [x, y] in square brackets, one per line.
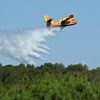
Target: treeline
[49, 82]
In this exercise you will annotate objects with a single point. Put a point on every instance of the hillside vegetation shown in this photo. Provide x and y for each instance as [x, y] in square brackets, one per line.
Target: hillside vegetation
[49, 82]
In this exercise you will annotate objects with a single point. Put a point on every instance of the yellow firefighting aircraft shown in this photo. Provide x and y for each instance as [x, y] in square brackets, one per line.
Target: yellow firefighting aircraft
[66, 21]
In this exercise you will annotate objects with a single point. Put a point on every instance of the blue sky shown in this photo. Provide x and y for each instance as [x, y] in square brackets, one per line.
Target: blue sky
[79, 43]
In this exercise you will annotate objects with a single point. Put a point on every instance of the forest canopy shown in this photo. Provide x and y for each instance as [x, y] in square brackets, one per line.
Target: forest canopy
[49, 82]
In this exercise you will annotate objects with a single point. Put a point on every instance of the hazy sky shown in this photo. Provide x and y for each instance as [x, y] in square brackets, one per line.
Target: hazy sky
[79, 43]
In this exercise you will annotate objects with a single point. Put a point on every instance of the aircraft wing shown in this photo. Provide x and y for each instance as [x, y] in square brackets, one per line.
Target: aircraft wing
[68, 21]
[64, 22]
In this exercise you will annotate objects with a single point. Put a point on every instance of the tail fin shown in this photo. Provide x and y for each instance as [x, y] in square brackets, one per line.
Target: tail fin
[46, 18]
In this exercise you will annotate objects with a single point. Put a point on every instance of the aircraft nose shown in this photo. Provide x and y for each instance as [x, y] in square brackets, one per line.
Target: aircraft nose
[73, 22]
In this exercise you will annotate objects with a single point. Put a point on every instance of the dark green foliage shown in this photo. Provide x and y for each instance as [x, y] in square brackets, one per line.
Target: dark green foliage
[49, 82]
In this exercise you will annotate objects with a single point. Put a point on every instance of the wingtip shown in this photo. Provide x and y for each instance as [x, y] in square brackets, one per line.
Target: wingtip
[71, 16]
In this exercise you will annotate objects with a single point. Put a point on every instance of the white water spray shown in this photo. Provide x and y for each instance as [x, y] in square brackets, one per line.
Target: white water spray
[26, 46]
